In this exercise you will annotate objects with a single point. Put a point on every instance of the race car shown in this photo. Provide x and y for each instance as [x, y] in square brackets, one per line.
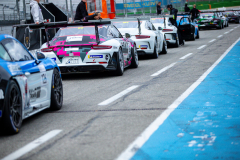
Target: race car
[188, 28]
[90, 47]
[224, 18]
[148, 39]
[27, 85]
[210, 20]
[163, 24]
[232, 16]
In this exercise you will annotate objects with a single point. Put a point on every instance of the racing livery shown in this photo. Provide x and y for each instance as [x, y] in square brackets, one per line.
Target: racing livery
[210, 20]
[149, 40]
[27, 85]
[92, 46]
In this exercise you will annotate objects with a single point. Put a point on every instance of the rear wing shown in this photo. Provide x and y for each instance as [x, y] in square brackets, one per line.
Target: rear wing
[163, 16]
[22, 32]
[139, 19]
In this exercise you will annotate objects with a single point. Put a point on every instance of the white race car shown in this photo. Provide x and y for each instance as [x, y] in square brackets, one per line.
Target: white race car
[91, 46]
[163, 24]
[148, 39]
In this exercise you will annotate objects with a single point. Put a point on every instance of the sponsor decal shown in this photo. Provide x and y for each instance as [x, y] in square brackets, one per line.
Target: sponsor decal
[74, 38]
[54, 59]
[1, 94]
[35, 93]
[0, 113]
[143, 46]
[71, 49]
[41, 68]
[95, 56]
[72, 61]
[7, 36]
[14, 68]
[44, 78]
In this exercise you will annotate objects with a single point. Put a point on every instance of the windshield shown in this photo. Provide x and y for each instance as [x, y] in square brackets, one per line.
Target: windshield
[228, 13]
[157, 20]
[79, 35]
[129, 24]
[179, 17]
[206, 15]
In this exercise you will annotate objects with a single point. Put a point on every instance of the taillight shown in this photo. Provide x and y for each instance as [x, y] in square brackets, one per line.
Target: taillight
[141, 36]
[101, 47]
[167, 30]
[50, 49]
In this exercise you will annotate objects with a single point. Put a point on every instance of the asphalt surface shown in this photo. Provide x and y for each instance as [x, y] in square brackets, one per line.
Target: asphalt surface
[91, 131]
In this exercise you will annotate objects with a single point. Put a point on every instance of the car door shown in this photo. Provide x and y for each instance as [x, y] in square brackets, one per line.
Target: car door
[158, 35]
[124, 43]
[37, 77]
[186, 28]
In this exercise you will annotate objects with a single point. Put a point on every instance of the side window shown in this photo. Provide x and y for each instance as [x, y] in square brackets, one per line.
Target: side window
[115, 32]
[119, 35]
[153, 28]
[16, 50]
[149, 25]
[3, 54]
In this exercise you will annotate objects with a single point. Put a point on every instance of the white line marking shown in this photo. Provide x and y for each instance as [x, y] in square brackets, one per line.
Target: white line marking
[110, 100]
[226, 32]
[231, 29]
[202, 46]
[163, 70]
[212, 40]
[235, 27]
[32, 145]
[145, 135]
[219, 36]
[189, 54]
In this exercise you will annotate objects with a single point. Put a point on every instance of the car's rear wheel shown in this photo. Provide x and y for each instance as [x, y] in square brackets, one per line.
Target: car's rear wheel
[164, 48]
[56, 91]
[177, 42]
[134, 63]
[197, 37]
[120, 63]
[155, 52]
[12, 116]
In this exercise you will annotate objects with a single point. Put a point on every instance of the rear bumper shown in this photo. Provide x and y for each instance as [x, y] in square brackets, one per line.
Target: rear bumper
[171, 38]
[208, 26]
[86, 68]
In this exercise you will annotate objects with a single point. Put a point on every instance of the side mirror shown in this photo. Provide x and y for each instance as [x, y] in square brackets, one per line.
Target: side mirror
[160, 28]
[40, 55]
[127, 35]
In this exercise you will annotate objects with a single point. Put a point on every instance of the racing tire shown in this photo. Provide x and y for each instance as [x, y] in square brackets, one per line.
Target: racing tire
[193, 37]
[134, 63]
[177, 43]
[120, 64]
[164, 48]
[56, 91]
[197, 37]
[12, 116]
[155, 53]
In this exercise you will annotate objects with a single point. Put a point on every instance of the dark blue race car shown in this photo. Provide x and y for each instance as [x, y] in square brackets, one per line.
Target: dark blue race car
[28, 85]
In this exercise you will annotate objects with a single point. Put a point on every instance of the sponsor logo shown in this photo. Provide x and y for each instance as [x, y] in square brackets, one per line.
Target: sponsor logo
[0, 113]
[44, 78]
[71, 49]
[1, 94]
[143, 46]
[74, 38]
[35, 93]
[54, 59]
[72, 61]
[95, 56]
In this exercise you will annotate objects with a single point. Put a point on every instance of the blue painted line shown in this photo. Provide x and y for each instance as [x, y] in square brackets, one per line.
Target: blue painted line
[206, 125]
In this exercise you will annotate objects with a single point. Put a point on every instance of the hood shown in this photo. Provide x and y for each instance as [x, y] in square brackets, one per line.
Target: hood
[32, 2]
[131, 31]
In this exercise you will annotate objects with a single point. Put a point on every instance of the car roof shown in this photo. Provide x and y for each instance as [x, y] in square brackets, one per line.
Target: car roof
[4, 36]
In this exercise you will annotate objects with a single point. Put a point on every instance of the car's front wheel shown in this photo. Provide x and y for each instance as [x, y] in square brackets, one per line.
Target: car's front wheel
[12, 116]
[134, 63]
[56, 91]
[120, 63]
[155, 52]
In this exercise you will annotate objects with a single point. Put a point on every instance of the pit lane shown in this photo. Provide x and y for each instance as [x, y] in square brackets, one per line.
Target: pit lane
[106, 130]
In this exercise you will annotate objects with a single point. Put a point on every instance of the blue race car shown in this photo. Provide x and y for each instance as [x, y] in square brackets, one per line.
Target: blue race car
[28, 85]
[188, 28]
